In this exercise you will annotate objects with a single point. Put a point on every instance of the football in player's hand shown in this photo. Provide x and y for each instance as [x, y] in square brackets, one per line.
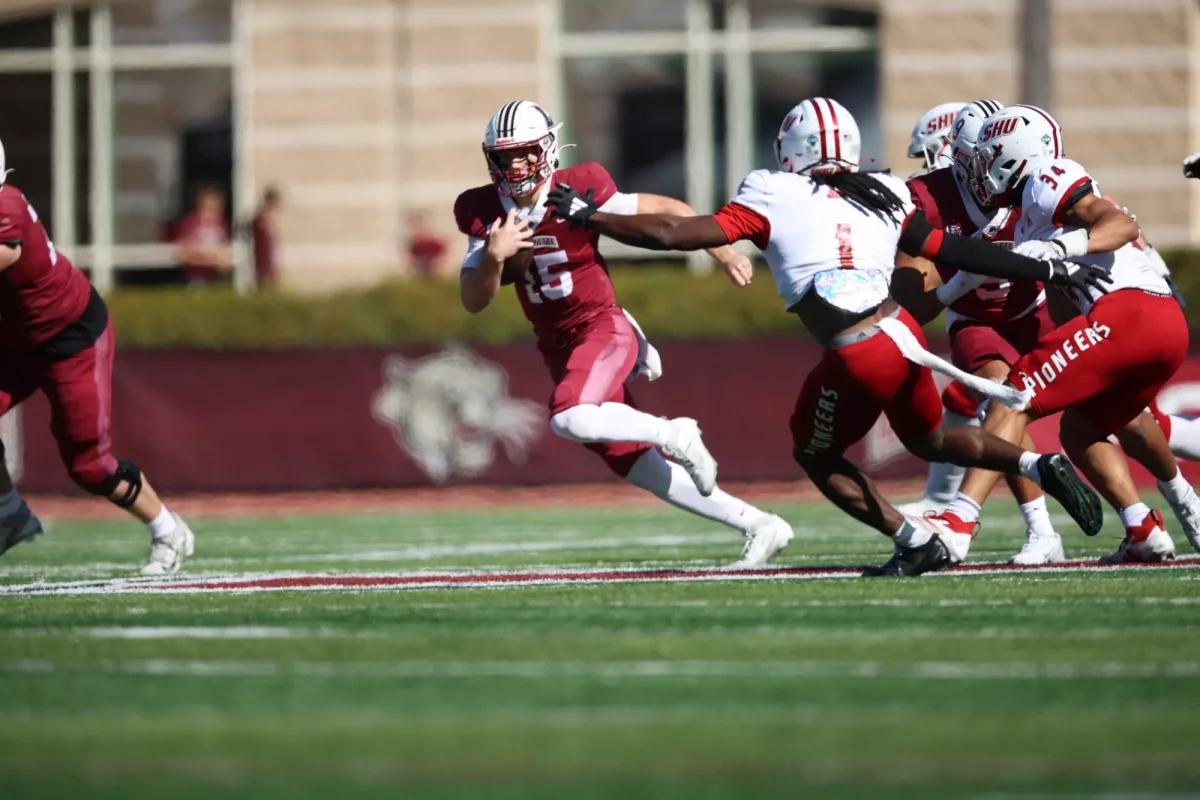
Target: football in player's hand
[515, 267]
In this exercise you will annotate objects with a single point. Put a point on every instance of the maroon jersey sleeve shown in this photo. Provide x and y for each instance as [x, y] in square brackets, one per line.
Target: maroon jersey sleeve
[476, 209]
[923, 199]
[12, 221]
[42, 293]
[589, 176]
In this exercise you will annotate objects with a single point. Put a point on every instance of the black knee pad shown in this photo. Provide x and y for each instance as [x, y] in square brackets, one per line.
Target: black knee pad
[132, 475]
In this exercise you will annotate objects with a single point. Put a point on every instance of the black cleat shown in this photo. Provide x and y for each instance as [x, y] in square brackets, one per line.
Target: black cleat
[1059, 480]
[20, 527]
[909, 562]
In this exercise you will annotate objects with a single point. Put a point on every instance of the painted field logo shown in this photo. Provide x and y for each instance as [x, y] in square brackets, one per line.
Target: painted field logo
[449, 411]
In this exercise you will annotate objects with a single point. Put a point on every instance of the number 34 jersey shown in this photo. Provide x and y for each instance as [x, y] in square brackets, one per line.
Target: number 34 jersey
[1049, 193]
[567, 283]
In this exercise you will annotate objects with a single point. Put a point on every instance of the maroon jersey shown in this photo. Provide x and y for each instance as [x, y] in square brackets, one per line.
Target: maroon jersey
[42, 293]
[567, 282]
[938, 195]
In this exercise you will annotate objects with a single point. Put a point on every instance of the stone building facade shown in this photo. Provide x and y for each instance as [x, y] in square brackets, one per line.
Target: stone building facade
[368, 112]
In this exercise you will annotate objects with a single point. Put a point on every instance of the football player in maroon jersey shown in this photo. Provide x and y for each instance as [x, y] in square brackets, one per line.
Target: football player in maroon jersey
[590, 345]
[56, 337]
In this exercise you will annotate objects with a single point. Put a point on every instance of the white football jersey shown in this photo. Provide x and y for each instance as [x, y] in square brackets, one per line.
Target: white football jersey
[819, 237]
[1042, 202]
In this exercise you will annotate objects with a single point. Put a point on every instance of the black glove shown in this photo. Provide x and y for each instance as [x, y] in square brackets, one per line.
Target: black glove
[572, 206]
[1191, 166]
[1078, 276]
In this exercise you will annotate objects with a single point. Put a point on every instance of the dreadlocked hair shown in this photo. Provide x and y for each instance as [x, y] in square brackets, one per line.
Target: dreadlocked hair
[861, 189]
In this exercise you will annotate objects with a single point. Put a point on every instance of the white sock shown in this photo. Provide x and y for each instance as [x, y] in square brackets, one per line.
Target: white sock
[1037, 518]
[944, 479]
[1029, 467]
[669, 481]
[963, 507]
[162, 525]
[910, 535]
[1185, 436]
[1134, 514]
[1177, 490]
[10, 504]
[610, 422]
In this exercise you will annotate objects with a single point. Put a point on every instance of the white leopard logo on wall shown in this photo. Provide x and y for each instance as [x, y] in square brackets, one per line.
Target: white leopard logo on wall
[448, 412]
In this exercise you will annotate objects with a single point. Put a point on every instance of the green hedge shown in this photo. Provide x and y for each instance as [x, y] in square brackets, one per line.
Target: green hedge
[667, 301]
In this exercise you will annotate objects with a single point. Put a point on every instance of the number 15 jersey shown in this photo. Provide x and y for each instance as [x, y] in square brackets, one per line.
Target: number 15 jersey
[567, 284]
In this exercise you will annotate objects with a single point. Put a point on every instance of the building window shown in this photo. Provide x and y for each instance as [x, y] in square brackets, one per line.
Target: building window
[157, 22]
[683, 97]
[167, 66]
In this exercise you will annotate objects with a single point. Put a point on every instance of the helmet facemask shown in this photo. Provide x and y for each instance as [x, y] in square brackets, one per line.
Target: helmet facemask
[520, 177]
[980, 179]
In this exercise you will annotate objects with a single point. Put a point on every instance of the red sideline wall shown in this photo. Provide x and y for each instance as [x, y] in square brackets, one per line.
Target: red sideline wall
[290, 420]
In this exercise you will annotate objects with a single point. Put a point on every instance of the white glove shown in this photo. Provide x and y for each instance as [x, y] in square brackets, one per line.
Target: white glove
[1042, 251]
[963, 283]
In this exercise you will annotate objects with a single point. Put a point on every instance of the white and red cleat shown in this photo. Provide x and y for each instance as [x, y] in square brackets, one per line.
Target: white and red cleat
[956, 533]
[1146, 543]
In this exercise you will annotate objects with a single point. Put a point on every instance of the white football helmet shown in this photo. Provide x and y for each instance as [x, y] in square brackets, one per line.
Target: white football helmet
[930, 136]
[818, 136]
[964, 134]
[4, 170]
[1012, 143]
[517, 125]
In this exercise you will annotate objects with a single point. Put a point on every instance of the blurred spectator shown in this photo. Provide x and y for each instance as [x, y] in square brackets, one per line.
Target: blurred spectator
[202, 240]
[426, 249]
[264, 233]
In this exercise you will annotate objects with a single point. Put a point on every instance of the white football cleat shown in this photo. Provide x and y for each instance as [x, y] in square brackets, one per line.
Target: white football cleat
[764, 541]
[919, 508]
[955, 533]
[686, 448]
[1148, 543]
[167, 553]
[1040, 548]
[1188, 515]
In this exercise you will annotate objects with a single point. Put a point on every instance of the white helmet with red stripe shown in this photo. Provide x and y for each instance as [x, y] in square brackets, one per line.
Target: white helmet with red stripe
[964, 133]
[1013, 143]
[818, 136]
[930, 136]
[521, 125]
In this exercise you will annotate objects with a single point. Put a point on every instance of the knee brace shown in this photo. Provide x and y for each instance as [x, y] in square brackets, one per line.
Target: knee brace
[126, 471]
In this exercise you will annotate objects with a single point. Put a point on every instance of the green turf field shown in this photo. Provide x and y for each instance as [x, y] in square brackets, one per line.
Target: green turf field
[1058, 683]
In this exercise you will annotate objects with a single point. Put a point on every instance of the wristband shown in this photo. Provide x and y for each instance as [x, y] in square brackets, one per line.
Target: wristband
[1073, 244]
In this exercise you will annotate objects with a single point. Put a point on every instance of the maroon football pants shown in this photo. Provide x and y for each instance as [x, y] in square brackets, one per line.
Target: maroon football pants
[79, 389]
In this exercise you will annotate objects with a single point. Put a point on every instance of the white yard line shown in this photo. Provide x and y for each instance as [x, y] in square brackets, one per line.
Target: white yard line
[254, 633]
[441, 579]
[948, 670]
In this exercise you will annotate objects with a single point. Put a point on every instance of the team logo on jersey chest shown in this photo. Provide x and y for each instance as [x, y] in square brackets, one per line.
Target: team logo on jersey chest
[955, 229]
[545, 241]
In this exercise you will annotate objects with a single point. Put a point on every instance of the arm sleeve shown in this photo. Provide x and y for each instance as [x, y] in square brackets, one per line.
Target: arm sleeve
[475, 250]
[740, 222]
[621, 203]
[919, 238]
